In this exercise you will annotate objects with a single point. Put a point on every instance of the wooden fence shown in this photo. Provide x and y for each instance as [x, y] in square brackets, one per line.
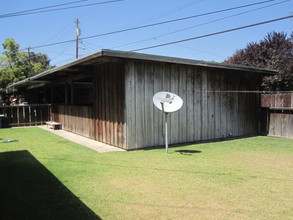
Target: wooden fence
[281, 124]
[26, 115]
[279, 109]
[277, 101]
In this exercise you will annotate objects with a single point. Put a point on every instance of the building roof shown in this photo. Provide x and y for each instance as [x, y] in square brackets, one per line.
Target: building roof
[105, 55]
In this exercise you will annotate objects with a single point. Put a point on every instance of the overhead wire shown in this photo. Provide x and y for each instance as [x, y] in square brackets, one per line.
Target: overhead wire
[68, 25]
[198, 25]
[46, 7]
[190, 48]
[59, 32]
[156, 24]
[176, 20]
[172, 11]
[28, 57]
[85, 47]
[212, 34]
[91, 46]
[58, 9]
[62, 52]
[220, 19]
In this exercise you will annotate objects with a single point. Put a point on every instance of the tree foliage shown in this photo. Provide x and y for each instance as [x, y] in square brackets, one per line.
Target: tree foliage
[275, 51]
[17, 65]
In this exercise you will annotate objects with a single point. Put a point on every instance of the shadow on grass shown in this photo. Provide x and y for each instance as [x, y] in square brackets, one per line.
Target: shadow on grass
[29, 191]
[188, 152]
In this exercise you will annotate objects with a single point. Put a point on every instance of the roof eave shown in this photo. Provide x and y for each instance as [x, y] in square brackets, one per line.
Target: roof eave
[140, 56]
[158, 58]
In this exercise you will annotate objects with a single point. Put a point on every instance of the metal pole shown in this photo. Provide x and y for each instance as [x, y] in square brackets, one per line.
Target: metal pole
[166, 127]
[166, 132]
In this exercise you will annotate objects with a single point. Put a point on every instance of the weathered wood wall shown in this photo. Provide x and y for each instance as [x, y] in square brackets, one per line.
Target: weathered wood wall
[104, 120]
[109, 105]
[76, 119]
[209, 111]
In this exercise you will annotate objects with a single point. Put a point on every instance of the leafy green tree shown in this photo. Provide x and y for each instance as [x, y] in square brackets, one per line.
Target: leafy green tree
[17, 65]
[275, 51]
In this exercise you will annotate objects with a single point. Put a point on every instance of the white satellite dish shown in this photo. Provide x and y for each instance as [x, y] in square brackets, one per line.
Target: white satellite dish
[167, 102]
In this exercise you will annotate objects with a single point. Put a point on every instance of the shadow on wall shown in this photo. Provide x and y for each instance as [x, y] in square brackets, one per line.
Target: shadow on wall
[29, 191]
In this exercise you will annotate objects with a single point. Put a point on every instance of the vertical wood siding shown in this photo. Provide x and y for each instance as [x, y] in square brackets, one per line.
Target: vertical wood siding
[76, 119]
[109, 104]
[209, 110]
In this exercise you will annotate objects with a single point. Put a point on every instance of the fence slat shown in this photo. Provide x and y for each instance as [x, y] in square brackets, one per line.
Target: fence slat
[21, 115]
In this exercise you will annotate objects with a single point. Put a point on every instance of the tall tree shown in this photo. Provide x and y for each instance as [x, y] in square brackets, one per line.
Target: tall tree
[16, 65]
[275, 51]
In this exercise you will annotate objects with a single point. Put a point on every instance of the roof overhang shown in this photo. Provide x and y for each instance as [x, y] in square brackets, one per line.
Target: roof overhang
[88, 62]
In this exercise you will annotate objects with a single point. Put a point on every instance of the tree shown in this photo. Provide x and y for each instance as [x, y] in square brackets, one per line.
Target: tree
[275, 51]
[16, 65]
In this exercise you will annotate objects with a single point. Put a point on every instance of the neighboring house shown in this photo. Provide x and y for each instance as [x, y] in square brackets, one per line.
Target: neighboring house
[107, 96]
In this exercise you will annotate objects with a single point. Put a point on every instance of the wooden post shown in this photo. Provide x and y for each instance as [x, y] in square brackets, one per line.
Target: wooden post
[50, 112]
[17, 114]
[30, 116]
[41, 114]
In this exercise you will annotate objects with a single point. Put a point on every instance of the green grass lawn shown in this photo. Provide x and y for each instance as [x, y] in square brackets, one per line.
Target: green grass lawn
[44, 176]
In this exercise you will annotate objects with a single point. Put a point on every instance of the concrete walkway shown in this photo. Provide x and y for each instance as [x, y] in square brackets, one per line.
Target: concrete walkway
[95, 145]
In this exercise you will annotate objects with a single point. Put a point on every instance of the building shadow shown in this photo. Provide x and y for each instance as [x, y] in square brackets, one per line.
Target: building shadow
[28, 190]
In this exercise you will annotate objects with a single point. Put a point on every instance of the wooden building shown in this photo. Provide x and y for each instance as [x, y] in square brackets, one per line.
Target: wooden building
[107, 96]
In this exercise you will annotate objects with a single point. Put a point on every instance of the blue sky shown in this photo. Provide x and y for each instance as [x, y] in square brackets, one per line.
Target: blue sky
[45, 28]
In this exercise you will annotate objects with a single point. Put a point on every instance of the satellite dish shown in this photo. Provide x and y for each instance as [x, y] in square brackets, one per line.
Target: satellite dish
[167, 102]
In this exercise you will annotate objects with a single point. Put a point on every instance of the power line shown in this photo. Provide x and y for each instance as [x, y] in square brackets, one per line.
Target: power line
[220, 19]
[36, 9]
[59, 32]
[175, 10]
[198, 25]
[155, 17]
[215, 33]
[201, 51]
[175, 20]
[56, 9]
[62, 52]
[156, 24]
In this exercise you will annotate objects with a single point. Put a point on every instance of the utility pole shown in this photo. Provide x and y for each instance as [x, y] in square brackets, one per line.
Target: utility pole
[77, 37]
[29, 53]
[29, 58]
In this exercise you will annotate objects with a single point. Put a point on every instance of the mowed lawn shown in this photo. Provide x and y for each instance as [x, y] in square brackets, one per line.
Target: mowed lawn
[44, 176]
